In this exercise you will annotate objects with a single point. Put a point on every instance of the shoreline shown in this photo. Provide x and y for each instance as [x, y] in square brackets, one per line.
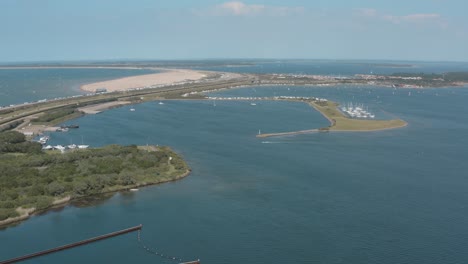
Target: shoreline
[65, 201]
[165, 77]
[332, 126]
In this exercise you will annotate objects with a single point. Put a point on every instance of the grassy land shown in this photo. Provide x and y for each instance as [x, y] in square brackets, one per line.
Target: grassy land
[32, 180]
[340, 122]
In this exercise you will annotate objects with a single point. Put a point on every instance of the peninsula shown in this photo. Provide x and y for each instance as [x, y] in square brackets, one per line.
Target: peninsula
[34, 181]
[340, 122]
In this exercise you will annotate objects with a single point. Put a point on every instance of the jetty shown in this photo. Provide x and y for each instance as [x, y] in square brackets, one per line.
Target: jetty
[137, 228]
[72, 245]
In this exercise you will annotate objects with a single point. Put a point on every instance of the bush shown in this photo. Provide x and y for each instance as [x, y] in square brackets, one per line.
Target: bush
[7, 213]
[12, 137]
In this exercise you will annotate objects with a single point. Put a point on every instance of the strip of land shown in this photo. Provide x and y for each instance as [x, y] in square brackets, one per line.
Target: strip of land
[166, 77]
[340, 122]
[97, 108]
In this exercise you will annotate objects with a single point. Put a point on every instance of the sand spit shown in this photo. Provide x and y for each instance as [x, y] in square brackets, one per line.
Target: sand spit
[169, 76]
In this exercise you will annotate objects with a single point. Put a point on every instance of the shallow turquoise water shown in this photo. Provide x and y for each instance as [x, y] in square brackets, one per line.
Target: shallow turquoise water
[396, 196]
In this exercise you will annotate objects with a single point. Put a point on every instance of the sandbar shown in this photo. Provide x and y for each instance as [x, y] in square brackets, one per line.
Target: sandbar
[168, 76]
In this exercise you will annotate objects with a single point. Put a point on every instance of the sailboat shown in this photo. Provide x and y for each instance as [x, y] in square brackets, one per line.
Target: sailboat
[82, 146]
[72, 146]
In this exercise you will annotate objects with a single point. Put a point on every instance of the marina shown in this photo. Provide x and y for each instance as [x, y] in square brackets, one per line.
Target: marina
[356, 111]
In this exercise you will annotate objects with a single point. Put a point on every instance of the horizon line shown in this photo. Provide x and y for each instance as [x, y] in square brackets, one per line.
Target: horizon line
[215, 59]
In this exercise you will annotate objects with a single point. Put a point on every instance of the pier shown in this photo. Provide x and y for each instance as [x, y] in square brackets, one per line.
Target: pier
[72, 245]
[95, 239]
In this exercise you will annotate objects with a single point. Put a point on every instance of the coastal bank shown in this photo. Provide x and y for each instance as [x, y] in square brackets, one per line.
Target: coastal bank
[34, 181]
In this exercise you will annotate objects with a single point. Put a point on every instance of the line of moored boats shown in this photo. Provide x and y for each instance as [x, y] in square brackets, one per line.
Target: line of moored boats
[44, 139]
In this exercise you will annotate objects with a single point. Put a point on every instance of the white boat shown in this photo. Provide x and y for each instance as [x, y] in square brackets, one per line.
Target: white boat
[43, 140]
[134, 190]
[48, 147]
[253, 104]
[83, 146]
[72, 146]
[161, 103]
[132, 109]
[59, 147]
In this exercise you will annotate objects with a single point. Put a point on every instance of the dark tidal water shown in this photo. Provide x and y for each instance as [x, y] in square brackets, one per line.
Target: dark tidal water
[396, 196]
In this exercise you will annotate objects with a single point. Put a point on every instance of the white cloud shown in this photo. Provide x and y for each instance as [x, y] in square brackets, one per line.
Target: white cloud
[237, 8]
[240, 9]
[366, 12]
[413, 18]
[418, 18]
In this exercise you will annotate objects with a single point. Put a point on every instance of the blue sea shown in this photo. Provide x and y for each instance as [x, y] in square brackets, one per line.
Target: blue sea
[18, 86]
[395, 196]
[338, 67]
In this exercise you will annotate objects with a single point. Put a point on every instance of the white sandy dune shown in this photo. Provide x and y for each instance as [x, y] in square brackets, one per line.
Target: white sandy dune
[163, 78]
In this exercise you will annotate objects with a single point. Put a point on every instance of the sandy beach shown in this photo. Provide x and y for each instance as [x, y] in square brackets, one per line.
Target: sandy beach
[169, 76]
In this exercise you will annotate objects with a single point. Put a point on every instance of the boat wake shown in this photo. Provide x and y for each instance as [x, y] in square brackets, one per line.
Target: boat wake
[288, 142]
[274, 142]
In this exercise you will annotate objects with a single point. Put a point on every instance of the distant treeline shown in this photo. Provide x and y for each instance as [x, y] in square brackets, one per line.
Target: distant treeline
[449, 76]
[31, 178]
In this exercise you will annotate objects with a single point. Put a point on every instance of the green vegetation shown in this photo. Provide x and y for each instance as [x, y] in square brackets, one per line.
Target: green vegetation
[434, 79]
[15, 142]
[449, 76]
[10, 126]
[51, 115]
[456, 76]
[31, 178]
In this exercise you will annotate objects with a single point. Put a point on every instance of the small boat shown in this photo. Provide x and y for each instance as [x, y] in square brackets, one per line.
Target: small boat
[59, 147]
[191, 262]
[132, 109]
[161, 103]
[43, 140]
[253, 104]
[134, 190]
[69, 126]
[72, 146]
[82, 146]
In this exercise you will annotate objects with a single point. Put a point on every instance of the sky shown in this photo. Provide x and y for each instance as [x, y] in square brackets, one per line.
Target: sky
[58, 30]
